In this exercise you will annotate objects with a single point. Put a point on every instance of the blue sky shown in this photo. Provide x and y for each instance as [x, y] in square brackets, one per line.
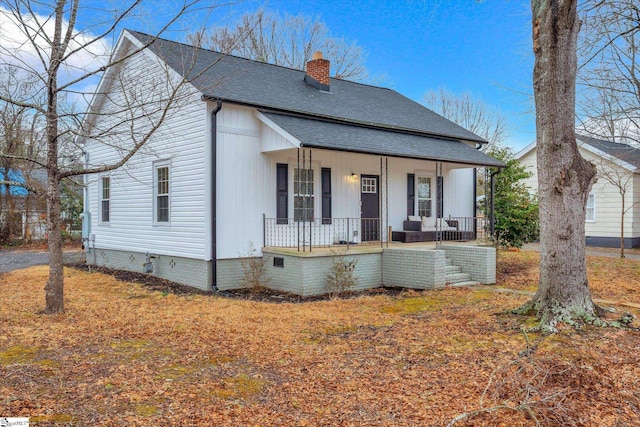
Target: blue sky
[480, 47]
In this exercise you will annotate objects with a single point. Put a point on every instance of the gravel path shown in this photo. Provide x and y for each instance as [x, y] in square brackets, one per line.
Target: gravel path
[16, 259]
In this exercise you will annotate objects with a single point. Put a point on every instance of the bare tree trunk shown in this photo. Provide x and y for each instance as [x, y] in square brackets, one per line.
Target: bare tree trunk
[55, 286]
[564, 177]
[622, 229]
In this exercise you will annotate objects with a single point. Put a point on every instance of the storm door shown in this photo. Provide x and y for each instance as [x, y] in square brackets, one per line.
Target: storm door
[369, 208]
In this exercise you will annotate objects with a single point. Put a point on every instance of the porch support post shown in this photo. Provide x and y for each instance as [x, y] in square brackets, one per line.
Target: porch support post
[304, 199]
[295, 194]
[309, 198]
[475, 208]
[386, 200]
[437, 204]
[380, 204]
[493, 219]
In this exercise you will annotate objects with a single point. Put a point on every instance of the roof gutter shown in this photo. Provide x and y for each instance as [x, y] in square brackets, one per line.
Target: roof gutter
[214, 207]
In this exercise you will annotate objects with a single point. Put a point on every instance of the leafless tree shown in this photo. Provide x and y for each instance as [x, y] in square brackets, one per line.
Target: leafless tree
[289, 41]
[564, 176]
[472, 114]
[609, 72]
[609, 78]
[20, 138]
[64, 60]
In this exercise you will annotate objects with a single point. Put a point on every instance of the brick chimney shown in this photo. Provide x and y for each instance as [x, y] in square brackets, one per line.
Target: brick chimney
[318, 72]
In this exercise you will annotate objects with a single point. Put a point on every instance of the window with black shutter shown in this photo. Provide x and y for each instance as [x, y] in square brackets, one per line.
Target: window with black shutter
[411, 194]
[282, 193]
[326, 195]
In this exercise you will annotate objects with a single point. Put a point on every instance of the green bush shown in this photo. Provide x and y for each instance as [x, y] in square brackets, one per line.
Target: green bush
[515, 209]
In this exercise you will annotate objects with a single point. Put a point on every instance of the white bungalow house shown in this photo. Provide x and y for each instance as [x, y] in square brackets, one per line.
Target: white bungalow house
[617, 167]
[287, 161]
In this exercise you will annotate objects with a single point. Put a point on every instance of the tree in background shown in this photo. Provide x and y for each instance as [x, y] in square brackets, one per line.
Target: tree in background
[609, 76]
[44, 43]
[287, 40]
[564, 177]
[609, 69]
[515, 209]
[472, 114]
[479, 118]
[21, 133]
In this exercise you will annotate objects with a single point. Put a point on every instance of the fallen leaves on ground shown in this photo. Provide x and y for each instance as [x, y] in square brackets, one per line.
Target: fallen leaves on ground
[123, 354]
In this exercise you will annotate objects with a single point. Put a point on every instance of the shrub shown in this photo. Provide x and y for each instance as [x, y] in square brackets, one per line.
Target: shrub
[255, 270]
[340, 277]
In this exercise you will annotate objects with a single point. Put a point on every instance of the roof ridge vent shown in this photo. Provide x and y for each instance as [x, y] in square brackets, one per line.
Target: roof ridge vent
[318, 72]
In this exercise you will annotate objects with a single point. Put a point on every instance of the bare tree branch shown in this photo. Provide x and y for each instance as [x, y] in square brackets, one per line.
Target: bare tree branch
[288, 41]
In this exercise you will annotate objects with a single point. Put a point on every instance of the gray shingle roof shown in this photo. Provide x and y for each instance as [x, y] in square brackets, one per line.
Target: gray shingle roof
[283, 90]
[347, 137]
[624, 152]
[260, 84]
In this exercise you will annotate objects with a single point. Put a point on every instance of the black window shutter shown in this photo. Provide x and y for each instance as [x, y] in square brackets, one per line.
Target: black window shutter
[326, 195]
[439, 196]
[282, 193]
[411, 194]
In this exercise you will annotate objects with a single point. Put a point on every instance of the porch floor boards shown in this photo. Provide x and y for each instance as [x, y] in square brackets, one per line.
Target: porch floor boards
[368, 248]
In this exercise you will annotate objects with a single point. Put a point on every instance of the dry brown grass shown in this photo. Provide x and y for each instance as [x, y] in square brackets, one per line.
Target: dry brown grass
[125, 355]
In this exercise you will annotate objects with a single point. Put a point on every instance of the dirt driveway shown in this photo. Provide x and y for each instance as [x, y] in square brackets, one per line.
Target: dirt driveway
[16, 259]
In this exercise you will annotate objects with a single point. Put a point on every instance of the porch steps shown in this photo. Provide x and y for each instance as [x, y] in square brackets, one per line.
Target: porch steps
[462, 284]
[455, 277]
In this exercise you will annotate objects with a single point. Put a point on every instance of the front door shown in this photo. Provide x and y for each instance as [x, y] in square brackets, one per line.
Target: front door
[369, 208]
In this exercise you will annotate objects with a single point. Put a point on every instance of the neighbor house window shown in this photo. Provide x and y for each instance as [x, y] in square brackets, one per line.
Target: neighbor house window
[591, 207]
[161, 178]
[424, 196]
[303, 199]
[105, 199]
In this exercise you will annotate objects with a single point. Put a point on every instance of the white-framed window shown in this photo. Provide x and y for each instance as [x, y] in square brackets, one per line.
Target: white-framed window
[369, 185]
[105, 199]
[161, 185]
[425, 197]
[303, 195]
[591, 208]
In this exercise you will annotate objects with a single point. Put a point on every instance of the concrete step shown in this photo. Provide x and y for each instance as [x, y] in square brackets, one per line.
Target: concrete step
[450, 269]
[467, 283]
[457, 277]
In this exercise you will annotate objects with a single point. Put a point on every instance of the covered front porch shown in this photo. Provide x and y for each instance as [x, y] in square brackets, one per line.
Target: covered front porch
[343, 185]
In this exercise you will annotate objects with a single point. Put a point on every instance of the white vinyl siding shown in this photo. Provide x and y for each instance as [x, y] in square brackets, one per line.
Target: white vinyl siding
[591, 208]
[183, 138]
[530, 162]
[604, 214]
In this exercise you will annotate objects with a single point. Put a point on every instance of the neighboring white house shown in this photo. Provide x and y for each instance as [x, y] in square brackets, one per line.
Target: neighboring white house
[620, 163]
[265, 155]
